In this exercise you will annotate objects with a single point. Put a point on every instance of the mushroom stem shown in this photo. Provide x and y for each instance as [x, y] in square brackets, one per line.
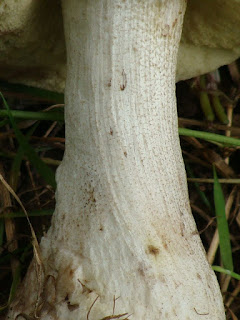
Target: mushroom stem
[122, 230]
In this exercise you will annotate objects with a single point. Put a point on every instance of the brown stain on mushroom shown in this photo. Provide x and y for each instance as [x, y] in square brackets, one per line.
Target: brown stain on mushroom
[182, 229]
[201, 313]
[85, 289]
[141, 272]
[165, 244]
[72, 307]
[174, 22]
[125, 154]
[199, 277]
[124, 81]
[91, 196]
[165, 32]
[153, 250]
[91, 200]
[65, 280]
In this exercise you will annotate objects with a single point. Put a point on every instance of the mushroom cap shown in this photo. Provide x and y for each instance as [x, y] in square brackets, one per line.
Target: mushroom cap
[32, 48]
[210, 37]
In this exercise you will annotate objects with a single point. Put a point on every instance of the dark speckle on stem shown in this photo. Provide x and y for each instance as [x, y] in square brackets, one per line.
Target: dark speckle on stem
[153, 250]
[124, 81]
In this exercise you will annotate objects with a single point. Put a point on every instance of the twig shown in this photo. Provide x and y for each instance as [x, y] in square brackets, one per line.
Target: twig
[10, 226]
[118, 316]
[210, 180]
[91, 307]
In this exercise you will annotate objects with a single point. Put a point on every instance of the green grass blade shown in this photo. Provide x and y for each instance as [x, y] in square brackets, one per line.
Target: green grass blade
[226, 271]
[31, 115]
[39, 165]
[204, 101]
[223, 231]
[17, 160]
[21, 214]
[15, 283]
[3, 307]
[209, 136]
[219, 110]
[4, 122]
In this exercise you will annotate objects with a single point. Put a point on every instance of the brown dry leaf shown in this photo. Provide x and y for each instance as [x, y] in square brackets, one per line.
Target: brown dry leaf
[213, 157]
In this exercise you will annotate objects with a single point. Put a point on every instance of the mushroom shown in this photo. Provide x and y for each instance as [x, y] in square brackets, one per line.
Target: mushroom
[210, 37]
[32, 47]
[123, 243]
